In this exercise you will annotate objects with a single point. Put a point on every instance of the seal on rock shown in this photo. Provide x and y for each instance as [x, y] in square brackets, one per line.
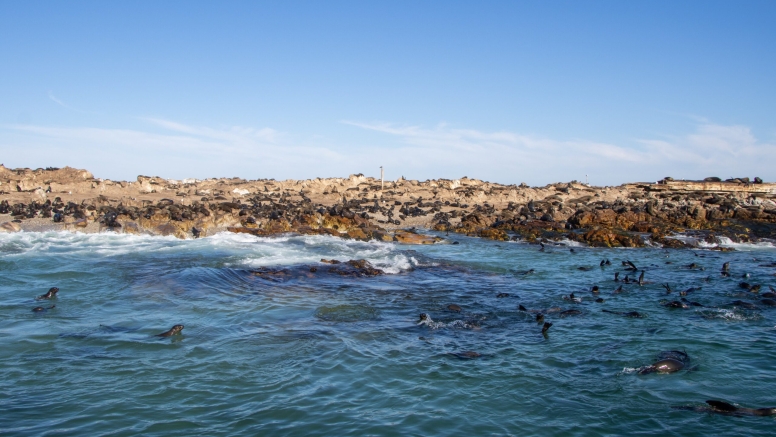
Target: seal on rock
[175, 330]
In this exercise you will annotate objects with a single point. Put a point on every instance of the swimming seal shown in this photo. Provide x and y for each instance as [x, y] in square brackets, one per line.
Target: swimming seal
[175, 330]
[630, 266]
[667, 362]
[695, 304]
[547, 325]
[572, 298]
[641, 278]
[467, 355]
[675, 304]
[626, 314]
[50, 294]
[454, 307]
[41, 309]
[725, 408]
[743, 304]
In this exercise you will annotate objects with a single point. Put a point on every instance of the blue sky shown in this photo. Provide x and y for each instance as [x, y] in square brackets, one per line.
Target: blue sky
[511, 92]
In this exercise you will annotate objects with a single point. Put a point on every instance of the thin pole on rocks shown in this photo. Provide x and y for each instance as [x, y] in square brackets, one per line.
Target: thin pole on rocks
[382, 181]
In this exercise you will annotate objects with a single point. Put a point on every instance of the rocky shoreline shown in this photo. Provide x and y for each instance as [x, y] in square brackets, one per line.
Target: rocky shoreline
[363, 208]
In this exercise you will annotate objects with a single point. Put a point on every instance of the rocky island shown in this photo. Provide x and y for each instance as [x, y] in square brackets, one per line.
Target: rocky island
[364, 208]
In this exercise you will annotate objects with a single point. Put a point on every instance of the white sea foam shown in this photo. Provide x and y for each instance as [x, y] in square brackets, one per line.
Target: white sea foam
[727, 242]
[731, 315]
[104, 244]
[571, 243]
[253, 251]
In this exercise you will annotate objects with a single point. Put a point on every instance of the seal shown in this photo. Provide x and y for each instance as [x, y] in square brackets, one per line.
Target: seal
[768, 302]
[572, 298]
[695, 304]
[454, 307]
[50, 294]
[466, 355]
[641, 278]
[630, 266]
[743, 304]
[626, 314]
[667, 362]
[675, 304]
[769, 295]
[570, 313]
[594, 290]
[175, 330]
[41, 309]
[728, 409]
[546, 327]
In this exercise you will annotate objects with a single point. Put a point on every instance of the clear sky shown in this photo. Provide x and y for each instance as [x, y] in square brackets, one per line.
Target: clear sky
[535, 92]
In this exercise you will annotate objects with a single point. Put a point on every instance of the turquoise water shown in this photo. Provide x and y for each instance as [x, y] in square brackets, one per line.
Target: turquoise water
[294, 352]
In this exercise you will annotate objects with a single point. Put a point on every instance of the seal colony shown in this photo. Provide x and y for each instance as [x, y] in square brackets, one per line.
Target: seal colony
[358, 207]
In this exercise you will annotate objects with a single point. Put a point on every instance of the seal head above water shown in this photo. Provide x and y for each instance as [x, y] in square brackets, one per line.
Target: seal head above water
[175, 330]
[50, 294]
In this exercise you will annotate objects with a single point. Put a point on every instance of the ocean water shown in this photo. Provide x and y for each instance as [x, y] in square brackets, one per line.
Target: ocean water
[287, 351]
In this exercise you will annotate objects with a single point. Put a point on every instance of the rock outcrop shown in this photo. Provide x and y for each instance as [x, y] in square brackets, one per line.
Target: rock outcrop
[359, 208]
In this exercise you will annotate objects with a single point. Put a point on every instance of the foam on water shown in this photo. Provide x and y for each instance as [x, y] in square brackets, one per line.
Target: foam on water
[727, 242]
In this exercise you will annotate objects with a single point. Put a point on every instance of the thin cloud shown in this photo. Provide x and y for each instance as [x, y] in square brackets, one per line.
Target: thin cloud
[177, 150]
[711, 148]
[56, 100]
[59, 102]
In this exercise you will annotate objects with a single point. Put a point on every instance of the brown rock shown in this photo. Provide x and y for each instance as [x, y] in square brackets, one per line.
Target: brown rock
[406, 237]
[130, 228]
[494, 234]
[10, 227]
[357, 234]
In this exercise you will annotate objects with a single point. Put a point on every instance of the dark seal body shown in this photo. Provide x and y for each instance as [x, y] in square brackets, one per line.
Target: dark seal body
[667, 362]
[50, 294]
[175, 330]
[728, 409]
